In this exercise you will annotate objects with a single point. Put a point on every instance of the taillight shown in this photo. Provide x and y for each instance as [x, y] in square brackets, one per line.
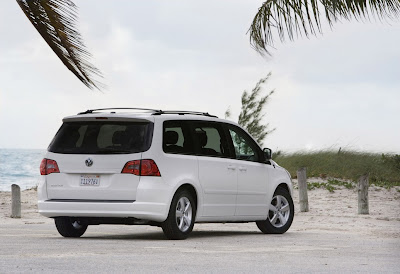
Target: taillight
[132, 167]
[149, 168]
[48, 166]
[142, 167]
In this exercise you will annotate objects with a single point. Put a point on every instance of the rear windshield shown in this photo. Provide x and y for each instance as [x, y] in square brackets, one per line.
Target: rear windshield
[102, 138]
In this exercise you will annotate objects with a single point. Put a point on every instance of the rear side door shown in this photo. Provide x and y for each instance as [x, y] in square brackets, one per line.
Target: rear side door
[252, 174]
[217, 172]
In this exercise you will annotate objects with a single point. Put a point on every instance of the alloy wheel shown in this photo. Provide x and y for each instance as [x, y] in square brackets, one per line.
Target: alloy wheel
[279, 211]
[183, 214]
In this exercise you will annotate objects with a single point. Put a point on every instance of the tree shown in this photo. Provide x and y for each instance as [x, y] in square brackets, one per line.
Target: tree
[302, 17]
[55, 20]
[251, 115]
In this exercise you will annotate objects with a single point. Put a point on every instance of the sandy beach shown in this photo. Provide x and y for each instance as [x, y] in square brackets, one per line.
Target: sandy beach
[329, 211]
[330, 238]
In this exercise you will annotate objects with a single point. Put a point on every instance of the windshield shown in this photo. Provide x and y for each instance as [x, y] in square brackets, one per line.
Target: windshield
[102, 137]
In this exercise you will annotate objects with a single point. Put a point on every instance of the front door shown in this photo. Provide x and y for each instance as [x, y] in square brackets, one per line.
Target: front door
[252, 175]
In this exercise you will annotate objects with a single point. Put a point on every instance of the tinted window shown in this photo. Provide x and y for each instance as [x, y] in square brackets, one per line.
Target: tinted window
[102, 138]
[177, 138]
[245, 147]
[210, 139]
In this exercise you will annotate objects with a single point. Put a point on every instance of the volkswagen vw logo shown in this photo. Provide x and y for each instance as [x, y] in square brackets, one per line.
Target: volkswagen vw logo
[89, 162]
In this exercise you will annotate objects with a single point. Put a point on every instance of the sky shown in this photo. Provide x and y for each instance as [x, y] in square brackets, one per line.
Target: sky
[340, 89]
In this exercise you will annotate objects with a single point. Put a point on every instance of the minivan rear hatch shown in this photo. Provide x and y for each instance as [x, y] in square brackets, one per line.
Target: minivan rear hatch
[91, 153]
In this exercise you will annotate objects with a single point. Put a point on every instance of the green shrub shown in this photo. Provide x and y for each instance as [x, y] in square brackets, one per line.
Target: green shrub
[383, 169]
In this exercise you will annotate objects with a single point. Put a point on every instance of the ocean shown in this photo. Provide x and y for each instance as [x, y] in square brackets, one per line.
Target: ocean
[21, 167]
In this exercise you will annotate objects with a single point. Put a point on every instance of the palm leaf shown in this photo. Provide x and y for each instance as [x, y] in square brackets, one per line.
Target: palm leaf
[288, 18]
[55, 20]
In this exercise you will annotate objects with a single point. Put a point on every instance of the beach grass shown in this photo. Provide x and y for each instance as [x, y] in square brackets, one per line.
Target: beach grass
[383, 169]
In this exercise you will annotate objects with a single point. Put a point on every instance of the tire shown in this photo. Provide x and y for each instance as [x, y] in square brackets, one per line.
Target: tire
[280, 213]
[68, 227]
[181, 216]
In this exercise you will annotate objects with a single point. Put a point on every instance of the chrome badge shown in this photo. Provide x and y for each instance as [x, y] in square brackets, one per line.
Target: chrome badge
[89, 162]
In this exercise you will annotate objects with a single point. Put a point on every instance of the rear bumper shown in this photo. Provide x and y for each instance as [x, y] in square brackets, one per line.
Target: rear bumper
[141, 210]
[152, 202]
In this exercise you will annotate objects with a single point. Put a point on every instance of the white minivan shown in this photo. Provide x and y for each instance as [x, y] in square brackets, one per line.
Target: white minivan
[164, 168]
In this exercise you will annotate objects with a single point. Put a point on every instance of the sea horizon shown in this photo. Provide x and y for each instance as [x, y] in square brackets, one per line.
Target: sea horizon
[20, 166]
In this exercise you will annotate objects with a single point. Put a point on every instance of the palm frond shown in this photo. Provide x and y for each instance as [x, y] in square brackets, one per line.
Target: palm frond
[288, 18]
[55, 20]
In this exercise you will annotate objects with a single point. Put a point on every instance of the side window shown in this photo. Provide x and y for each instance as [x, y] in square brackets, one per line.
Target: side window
[176, 138]
[245, 148]
[210, 139]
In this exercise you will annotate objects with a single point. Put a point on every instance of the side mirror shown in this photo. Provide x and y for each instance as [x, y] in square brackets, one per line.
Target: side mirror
[267, 153]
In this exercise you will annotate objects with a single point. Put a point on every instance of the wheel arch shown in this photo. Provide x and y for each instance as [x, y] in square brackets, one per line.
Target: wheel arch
[280, 184]
[284, 186]
[192, 190]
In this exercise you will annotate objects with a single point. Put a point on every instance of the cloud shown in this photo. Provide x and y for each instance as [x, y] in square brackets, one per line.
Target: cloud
[338, 89]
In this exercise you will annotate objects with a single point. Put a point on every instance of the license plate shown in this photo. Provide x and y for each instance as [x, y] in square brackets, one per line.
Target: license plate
[90, 180]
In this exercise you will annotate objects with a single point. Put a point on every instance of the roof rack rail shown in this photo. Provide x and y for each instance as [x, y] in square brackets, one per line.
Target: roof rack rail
[153, 111]
[183, 112]
[98, 109]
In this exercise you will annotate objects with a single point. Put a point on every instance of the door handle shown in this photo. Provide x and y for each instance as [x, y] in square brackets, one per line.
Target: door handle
[242, 168]
[231, 167]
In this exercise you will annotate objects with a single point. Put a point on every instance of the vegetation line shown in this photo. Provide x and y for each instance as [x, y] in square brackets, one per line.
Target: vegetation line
[383, 169]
